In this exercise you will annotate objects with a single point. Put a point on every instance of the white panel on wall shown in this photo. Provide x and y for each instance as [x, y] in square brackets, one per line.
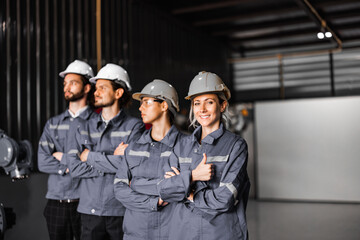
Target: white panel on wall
[309, 149]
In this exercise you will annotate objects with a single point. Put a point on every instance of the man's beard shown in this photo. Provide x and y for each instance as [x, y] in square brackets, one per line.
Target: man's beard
[102, 105]
[75, 97]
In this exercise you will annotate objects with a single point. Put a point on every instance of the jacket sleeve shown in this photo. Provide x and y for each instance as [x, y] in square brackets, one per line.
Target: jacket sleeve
[46, 162]
[110, 163]
[233, 181]
[178, 187]
[104, 163]
[145, 185]
[130, 198]
[77, 168]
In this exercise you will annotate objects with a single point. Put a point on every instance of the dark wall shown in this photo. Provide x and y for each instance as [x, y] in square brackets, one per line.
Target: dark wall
[39, 38]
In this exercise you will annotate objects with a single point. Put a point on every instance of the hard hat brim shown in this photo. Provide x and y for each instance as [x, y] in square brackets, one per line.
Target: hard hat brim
[227, 94]
[64, 73]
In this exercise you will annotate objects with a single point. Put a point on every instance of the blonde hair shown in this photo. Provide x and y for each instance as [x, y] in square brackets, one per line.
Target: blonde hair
[225, 119]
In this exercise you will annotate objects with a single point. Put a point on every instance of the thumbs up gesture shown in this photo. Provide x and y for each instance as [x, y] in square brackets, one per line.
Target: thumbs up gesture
[203, 171]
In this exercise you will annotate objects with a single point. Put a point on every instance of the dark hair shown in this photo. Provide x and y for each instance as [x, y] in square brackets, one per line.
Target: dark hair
[124, 101]
[90, 95]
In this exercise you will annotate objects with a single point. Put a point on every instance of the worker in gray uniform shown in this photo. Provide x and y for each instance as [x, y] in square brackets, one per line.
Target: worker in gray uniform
[207, 177]
[101, 214]
[147, 216]
[63, 221]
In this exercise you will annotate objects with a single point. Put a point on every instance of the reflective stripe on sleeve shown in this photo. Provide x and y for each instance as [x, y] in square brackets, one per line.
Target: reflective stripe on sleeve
[95, 135]
[46, 143]
[84, 133]
[231, 187]
[116, 180]
[120, 133]
[217, 159]
[165, 154]
[60, 127]
[139, 153]
[73, 151]
[185, 160]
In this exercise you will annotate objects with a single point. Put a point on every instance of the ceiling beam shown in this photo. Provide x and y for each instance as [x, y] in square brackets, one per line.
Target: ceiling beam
[240, 16]
[208, 6]
[276, 35]
[257, 26]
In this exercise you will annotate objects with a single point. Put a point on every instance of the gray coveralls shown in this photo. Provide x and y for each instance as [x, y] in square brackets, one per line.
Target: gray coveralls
[63, 190]
[218, 208]
[97, 191]
[144, 167]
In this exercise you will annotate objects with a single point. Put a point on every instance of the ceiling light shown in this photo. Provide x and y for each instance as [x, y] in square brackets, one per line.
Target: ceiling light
[320, 35]
[328, 34]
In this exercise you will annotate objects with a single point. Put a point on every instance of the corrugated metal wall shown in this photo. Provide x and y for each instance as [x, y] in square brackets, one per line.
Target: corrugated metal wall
[39, 38]
[324, 75]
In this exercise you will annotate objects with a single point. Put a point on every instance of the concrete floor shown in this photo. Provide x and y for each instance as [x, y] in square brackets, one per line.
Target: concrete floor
[295, 221]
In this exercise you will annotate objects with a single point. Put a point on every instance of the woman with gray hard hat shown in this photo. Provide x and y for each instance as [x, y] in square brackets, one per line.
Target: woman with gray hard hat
[208, 178]
[147, 215]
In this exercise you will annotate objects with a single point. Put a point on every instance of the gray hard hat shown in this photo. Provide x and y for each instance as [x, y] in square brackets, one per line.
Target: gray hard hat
[207, 82]
[161, 90]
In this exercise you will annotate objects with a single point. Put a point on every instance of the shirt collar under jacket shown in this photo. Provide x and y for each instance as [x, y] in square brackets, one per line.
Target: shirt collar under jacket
[80, 111]
[168, 140]
[115, 121]
[210, 138]
[83, 115]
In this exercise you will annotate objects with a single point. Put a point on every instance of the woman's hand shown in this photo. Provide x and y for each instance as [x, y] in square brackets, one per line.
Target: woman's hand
[203, 171]
[171, 174]
[84, 155]
[162, 203]
[191, 196]
[120, 150]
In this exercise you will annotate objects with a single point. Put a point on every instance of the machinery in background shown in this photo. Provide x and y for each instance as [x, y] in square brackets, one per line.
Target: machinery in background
[240, 116]
[16, 157]
[7, 219]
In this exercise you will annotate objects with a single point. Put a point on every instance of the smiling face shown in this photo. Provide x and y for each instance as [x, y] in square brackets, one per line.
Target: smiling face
[73, 87]
[151, 109]
[207, 110]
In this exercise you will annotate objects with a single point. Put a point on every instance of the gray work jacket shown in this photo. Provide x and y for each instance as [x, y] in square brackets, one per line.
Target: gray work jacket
[97, 191]
[218, 208]
[143, 167]
[55, 138]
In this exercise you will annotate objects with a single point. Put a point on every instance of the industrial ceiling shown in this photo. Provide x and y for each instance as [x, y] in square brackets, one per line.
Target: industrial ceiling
[264, 27]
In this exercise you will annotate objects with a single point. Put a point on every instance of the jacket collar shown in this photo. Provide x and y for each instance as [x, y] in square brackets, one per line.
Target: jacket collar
[210, 138]
[115, 121]
[168, 140]
[84, 115]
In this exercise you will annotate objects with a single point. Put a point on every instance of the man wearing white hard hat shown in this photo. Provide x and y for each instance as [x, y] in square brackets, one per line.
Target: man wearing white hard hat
[101, 214]
[63, 194]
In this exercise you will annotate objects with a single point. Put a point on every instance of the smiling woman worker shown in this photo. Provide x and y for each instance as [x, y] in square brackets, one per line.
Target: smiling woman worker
[147, 216]
[212, 185]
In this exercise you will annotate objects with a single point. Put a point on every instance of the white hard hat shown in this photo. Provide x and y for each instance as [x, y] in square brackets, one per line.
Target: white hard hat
[207, 82]
[161, 90]
[78, 67]
[113, 72]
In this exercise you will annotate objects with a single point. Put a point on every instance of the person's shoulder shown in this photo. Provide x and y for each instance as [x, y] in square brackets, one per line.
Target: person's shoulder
[233, 137]
[132, 121]
[182, 135]
[56, 119]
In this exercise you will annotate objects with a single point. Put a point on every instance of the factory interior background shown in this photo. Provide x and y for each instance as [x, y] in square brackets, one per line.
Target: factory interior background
[293, 68]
